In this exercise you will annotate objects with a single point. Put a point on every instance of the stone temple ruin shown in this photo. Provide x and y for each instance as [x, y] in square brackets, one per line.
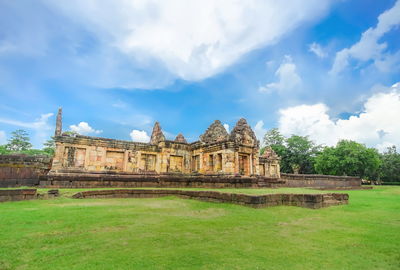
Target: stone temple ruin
[217, 160]
[215, 153]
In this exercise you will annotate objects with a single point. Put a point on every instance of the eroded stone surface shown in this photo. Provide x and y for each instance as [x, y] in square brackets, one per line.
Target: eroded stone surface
[157, 135]
[180, 138]
[313, 201]
[58, 123]
[243, 134]
[215, 133]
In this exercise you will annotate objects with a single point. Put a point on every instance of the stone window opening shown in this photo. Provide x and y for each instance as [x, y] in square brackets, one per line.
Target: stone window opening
[196, 163]
[218, 165]
[211, 162]
[148, 162]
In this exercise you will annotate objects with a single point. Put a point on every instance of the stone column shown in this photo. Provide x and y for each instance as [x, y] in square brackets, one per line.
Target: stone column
[87, 157]
[236, 163]
[125, 166]
[251, 164]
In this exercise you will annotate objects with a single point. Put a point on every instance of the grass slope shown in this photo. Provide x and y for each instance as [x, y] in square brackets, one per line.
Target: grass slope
[172, 233]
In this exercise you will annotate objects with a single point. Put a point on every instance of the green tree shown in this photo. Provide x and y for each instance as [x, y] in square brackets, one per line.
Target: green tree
[19, 141]
[390, 168]
[4, 150]
[297, 152]
[274, 139]
[349, 158]
[300, 154]
[49, 147]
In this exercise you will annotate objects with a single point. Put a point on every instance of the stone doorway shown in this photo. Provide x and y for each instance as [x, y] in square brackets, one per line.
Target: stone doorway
[244, 168]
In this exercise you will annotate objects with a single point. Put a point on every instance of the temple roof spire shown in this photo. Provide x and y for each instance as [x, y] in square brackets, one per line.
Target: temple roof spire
[180, 138]
[215, 133]
[157, 135]
[243, 134]
[58, 130]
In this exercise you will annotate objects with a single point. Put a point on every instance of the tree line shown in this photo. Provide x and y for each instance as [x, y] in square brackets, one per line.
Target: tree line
[298, 154]
[19, 143]
[301, 155]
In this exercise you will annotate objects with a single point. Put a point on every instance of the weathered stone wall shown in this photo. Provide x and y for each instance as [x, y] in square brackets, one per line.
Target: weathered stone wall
[22, 170]
[313, 201]
[91, 180]
[17, 194]
[171, 180]
[319, 181]
[215, 152]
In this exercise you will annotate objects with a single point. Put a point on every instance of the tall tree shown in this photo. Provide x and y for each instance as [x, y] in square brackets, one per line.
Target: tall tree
[390, 169]
[49, 146]
[297, 152]
[274, 139]
[349, 158]
[19, 141]
[301, 152]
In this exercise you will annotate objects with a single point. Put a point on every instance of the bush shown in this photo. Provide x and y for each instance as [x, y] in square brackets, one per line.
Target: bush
[391, 183]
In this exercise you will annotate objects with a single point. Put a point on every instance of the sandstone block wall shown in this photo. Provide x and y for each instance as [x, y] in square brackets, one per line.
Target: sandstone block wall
[86, 180]
[17, 194]
[313, 201]
[320, 181]
[22, 170]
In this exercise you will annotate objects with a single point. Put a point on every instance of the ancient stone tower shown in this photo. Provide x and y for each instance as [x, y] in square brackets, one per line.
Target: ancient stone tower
[157, 135]
[58, 123]
[180, 138]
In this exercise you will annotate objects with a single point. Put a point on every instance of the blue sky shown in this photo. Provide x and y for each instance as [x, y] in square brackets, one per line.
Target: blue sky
[326, 69]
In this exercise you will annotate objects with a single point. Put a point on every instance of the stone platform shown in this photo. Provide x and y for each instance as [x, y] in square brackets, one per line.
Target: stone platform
[170, 180]
[313, 201]
[17, 194]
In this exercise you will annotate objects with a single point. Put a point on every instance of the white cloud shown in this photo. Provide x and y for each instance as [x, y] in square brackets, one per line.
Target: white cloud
[39, 123]
[317, 50]
[193, 39]
[84, 129]
[226, 126]
[139, 136]
[377, 125]
[3, 137]
[288, 79]
[42, 129]
[260, 131]
[368, 47]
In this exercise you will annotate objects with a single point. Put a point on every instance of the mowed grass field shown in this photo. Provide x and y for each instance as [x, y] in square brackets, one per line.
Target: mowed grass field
[173, 233]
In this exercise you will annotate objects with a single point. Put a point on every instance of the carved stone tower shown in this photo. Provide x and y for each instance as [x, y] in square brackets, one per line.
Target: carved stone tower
[58, 123]
[180, 138]
[157, 134]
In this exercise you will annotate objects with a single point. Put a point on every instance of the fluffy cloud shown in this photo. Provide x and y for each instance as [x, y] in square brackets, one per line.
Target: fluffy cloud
[3, 137]
[40, 123]
[192, 39]
[377, 125]
[84, 129]
[139, 136]
[369, 48]
[317, 50]
[40, 126]
[260, 131]
[288, 79]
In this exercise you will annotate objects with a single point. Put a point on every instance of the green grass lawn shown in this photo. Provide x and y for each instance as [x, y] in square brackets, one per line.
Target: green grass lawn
[172, 233]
